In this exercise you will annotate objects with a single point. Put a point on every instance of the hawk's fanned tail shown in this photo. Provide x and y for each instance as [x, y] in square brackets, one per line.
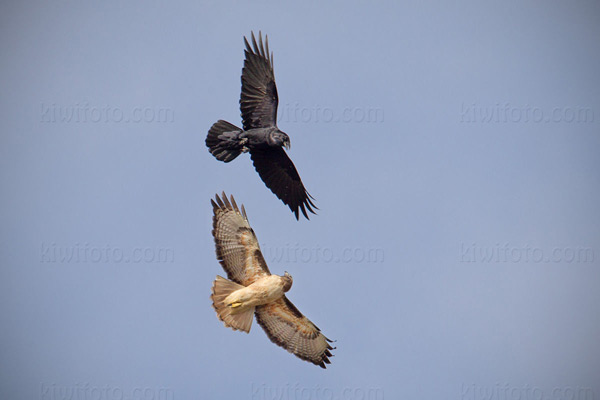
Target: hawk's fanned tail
[220, 290]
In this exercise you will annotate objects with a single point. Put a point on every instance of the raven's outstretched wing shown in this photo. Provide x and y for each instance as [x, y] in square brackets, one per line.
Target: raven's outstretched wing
[279, 174]
[288, 328]
[236, 244]
[259, 100]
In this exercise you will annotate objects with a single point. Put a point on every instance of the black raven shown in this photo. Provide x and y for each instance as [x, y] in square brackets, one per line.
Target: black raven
[260, 136]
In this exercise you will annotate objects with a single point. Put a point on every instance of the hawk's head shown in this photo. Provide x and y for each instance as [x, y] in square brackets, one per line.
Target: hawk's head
[287, 281]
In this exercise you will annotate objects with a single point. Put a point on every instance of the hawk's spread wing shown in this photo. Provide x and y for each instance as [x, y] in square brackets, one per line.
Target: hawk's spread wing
[237, 246]
[279, 174]
[288, 328]
[258, 101]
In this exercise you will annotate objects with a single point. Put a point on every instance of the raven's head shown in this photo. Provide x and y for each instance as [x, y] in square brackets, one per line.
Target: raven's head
[278, 138]
[287, 278]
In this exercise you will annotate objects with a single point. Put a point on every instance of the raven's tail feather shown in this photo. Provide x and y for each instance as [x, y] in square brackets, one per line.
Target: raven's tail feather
[222, 141]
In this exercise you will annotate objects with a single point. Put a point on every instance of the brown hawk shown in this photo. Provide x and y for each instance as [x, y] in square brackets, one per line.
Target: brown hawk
[252, 290]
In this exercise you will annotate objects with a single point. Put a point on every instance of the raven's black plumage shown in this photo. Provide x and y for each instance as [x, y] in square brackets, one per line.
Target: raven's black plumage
[260, 136]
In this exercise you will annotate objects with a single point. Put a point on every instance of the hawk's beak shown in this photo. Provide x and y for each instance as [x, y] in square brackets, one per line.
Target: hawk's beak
[287, 145]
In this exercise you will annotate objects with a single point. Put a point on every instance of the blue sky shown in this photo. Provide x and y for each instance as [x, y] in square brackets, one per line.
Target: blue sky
[452, 150]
